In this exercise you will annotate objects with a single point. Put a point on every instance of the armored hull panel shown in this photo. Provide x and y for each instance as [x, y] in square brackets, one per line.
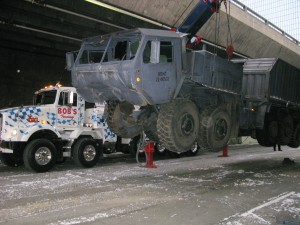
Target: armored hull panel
[216, 73]
[271, 80]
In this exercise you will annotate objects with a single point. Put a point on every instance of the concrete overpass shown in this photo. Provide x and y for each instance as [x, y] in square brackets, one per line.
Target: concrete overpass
[252, 35]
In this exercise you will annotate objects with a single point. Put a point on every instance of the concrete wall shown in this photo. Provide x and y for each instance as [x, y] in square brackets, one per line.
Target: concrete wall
[22, 73]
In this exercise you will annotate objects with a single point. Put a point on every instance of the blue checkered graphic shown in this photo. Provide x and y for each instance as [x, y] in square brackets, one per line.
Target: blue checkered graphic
[23, 132]
[51, 117]
[23, 112]
[108, 134]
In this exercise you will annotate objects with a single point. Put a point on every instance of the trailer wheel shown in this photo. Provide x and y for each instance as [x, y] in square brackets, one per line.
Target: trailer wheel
[215, 129]
[295, 139]
[178, 125]
[12, 160]
[285, 130]
[40, 155]
[120, 119]
[85, 152]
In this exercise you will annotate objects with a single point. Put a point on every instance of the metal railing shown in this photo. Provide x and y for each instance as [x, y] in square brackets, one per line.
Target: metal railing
[264, 20]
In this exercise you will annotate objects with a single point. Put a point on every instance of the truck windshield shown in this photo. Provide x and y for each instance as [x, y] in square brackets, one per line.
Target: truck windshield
[109, 49]
[45, 97]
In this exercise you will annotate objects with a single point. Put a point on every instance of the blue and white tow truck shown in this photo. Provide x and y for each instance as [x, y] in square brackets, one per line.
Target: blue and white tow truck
[59, 124]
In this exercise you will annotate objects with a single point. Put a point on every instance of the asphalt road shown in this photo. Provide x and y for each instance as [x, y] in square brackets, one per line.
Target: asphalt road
[252, 186]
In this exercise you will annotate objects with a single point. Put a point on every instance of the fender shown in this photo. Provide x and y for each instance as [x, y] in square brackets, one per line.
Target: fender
[96, 133]
[37, 128]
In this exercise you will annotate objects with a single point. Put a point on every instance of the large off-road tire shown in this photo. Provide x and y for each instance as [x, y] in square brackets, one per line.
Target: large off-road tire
[286, 128]
[120, 121]
[215, 129]
[40, 155]
[86, 152]
[295, 139]
[12, 160]
[178, 125]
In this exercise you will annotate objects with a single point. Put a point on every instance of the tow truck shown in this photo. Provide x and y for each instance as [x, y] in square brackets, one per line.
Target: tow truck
[59, 124]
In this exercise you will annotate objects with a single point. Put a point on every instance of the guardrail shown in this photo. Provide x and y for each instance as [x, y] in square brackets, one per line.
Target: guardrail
[264, 20]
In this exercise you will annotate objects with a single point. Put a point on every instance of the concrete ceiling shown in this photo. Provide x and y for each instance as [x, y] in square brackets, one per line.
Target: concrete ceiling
[54, 27]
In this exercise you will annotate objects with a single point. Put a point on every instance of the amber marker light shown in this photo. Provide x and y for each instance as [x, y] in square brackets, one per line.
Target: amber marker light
[138, 79]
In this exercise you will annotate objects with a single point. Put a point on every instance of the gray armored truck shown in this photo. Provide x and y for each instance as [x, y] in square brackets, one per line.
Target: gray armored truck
[178, 96]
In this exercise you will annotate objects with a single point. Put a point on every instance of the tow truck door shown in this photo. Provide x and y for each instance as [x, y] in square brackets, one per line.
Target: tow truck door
[67, 114]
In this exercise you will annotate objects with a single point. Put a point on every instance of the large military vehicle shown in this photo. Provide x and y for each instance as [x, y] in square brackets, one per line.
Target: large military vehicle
[153, 83]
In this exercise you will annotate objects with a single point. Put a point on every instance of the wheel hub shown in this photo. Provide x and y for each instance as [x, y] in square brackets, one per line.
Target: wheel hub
[89, 153]
[43, 156]
[187, 124]
[194, 148]
[220, 129]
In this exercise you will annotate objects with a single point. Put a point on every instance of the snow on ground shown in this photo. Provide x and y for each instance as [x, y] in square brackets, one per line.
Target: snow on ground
[252, 186]
[282, 209]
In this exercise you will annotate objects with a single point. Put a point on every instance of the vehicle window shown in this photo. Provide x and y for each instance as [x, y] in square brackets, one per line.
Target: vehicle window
[158, 52]
[89, 105]
[147, 52]
[46, 97]
[120, 50]
[90, 56]
[63, 98]
[133, 48]
[166, 52]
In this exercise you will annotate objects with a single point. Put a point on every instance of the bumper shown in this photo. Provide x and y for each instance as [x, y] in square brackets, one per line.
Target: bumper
[6, 150]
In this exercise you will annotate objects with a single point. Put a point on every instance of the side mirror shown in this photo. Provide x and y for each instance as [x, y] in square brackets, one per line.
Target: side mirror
[70, 98]
[69, 60]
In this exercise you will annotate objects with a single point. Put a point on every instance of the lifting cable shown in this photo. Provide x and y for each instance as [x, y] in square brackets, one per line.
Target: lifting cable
[140, 145]
[229, 48]
[217, 32]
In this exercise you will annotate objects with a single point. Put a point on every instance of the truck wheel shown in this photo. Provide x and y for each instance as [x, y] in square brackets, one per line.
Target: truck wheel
[40, 155]
[12, 160]
[268, 136]
[194, 150]
[178, 125]
[159, 149]
[295, 139]
[85, 152]
[285, 130]
[120, 119]
[215, 129]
